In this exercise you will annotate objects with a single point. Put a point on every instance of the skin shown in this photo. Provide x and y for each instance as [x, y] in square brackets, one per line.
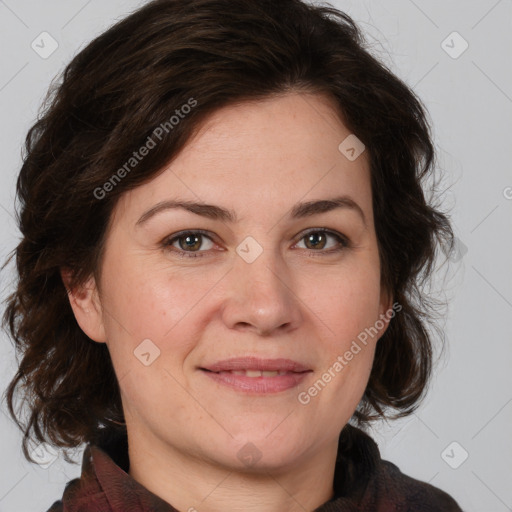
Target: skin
[296, 300]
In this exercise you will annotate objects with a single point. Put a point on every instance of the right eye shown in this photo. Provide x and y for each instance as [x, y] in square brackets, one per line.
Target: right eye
[186, 240]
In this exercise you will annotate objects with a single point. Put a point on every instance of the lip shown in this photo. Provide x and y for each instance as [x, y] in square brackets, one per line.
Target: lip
[256, 363]
[295, 373]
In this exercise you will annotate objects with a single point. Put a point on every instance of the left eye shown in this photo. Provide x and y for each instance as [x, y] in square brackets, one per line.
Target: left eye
[190, 242]
[318, 239]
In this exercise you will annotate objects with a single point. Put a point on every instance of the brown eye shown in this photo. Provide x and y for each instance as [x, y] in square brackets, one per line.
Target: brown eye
[188, 243]
[318, 240]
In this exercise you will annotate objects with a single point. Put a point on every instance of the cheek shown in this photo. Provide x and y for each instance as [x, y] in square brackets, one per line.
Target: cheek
[346, 314]
[145, 390]
[149, 335]
[150, 301]
[347, 301]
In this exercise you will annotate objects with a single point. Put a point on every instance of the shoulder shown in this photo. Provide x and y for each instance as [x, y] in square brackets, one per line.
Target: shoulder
[379, 485]
[72, 487]
[56, 507]
[409, 494]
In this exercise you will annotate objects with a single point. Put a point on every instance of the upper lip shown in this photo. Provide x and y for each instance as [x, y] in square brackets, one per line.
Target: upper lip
[256, 363]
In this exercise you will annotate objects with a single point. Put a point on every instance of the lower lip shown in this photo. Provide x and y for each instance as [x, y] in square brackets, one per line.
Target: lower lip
[258, 384]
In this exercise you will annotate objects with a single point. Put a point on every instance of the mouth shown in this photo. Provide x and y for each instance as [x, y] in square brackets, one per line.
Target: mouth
[253, 373]
[257, 376]
[251, 364]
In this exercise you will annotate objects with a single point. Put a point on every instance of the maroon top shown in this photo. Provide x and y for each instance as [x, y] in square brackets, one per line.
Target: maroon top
[362, 482]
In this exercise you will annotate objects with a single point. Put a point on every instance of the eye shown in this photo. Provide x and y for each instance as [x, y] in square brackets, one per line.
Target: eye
[187, 243]
[316, 240]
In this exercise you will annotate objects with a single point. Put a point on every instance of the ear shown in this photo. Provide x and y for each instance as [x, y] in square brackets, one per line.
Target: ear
[387, 310]
[86, 306]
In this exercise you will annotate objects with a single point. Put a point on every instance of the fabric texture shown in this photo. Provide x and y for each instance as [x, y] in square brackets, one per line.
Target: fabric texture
[362, 482]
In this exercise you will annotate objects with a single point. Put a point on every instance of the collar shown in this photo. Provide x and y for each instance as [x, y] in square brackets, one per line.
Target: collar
[362, 481]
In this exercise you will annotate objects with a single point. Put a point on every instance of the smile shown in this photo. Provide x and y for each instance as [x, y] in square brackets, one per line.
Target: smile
[257, 381]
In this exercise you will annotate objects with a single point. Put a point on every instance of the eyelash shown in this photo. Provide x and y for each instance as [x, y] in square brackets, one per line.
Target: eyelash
[343, 240]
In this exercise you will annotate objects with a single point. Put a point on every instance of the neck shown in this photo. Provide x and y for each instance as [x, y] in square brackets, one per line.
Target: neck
[195, 483]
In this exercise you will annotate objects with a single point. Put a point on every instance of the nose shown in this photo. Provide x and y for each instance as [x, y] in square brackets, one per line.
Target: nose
[260, 297]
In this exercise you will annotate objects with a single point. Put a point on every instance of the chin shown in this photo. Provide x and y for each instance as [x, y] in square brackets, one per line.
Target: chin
[260, 451]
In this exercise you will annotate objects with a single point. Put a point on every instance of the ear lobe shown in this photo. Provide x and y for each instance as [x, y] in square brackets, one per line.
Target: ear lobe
[86, 306]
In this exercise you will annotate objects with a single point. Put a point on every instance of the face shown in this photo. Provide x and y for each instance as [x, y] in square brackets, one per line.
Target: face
[183, 289]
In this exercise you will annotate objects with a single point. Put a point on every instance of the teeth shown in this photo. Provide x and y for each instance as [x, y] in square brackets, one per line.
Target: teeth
[257, 373]
[253, 373]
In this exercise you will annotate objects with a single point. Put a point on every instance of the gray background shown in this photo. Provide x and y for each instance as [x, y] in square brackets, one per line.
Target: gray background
[469, 97]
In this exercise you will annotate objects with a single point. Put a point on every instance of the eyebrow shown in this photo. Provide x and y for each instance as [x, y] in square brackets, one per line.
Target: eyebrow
[210, 211]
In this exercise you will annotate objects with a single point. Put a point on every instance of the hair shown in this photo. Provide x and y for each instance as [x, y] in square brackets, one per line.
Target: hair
[109, 102]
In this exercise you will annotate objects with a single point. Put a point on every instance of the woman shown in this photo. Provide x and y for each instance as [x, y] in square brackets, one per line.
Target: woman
[224, 230]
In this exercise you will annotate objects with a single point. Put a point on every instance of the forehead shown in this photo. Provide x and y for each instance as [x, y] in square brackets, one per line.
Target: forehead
[289, 126]
[265, 155]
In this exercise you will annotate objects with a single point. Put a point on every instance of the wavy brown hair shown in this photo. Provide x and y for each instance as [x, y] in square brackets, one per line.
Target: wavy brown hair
[109, 100]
